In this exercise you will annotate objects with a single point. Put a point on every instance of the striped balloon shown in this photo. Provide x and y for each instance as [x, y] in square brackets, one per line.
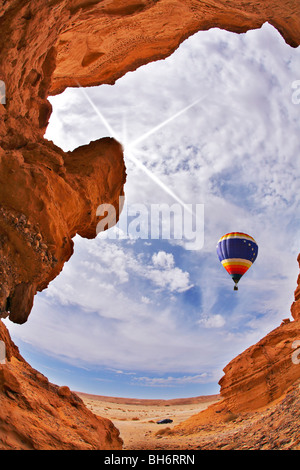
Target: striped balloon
[237, 252]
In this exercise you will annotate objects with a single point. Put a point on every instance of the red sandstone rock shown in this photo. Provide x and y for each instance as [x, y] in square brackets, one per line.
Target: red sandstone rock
[275, 427]
[38, 415]
[258, 377]
[106, 39]
[47, 197]
[263, 372]
[295, 308]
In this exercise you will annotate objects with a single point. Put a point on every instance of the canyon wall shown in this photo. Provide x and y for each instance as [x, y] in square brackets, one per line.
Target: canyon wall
[47, 196]
[263, 372]
[38, 415]
[260, 376]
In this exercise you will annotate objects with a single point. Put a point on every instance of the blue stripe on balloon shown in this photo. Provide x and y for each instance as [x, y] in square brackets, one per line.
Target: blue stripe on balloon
[237, 248]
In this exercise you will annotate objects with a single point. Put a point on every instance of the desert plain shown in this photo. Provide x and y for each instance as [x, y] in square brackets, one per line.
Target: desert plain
[137, 419]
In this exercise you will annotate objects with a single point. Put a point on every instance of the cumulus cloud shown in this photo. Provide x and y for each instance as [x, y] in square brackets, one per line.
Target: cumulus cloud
[171, 381]
[163, 259]
[166, 274]
[213, 321]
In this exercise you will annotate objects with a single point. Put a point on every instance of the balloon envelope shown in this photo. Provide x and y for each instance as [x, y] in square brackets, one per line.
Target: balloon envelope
[237, 252]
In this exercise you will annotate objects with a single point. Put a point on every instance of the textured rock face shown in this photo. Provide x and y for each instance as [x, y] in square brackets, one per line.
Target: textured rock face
[276, 427]
[295, 308]
[108, 38]
[258, 377]
[46, 198]
[37, 415]
[260, 392]
[263, 372]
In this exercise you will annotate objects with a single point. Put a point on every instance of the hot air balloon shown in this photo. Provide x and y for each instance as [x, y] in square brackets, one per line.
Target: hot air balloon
[237, 251]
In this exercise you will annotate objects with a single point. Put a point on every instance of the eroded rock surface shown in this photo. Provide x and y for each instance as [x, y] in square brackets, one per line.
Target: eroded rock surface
[255, 380]
[47, 197]
[274, 427]
[263, 372]
[38, 415]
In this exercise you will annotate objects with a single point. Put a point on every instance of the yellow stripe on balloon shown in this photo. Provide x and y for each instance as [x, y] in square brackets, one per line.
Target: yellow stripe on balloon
[236, 261]
[237, 235]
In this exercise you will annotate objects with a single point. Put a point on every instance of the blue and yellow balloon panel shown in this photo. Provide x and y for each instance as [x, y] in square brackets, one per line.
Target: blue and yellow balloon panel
[237, 252]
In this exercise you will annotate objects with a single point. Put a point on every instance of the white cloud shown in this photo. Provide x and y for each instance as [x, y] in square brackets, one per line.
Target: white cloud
[163, 259]
[171, 381]
[212, 321]
[175, 280]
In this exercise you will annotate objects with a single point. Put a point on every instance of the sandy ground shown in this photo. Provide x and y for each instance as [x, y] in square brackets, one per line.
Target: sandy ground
[137, 419]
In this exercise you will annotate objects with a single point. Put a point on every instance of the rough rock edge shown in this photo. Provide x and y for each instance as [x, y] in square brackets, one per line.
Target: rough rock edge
[38, 415]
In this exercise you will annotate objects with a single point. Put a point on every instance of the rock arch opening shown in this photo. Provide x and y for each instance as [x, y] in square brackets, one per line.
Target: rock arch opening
[227, 151]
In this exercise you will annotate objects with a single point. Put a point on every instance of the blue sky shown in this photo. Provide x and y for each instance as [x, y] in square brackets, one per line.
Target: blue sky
[153, 317]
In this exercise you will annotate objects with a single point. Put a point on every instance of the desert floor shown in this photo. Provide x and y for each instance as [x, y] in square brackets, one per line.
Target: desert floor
[137, 419]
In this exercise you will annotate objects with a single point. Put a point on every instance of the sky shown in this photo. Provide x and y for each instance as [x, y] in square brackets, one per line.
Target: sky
[212, 129]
